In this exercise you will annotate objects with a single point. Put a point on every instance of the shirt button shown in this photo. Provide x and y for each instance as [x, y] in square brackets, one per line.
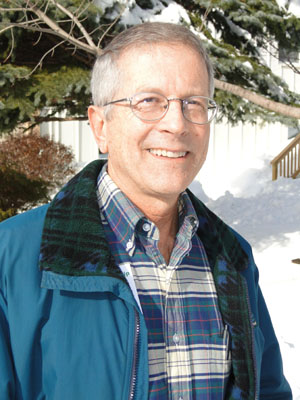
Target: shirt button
[146, 227]
[129, 245]
[176, 338]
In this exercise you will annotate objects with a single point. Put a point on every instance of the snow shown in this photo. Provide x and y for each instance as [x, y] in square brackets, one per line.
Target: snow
[267, 214]
[173, 12]
[132, 14]
[293, 6]
[248, 65]
[237, 29]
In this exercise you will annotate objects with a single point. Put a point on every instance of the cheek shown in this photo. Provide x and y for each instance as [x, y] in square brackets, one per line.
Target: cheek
[114, 137]
[202, 140]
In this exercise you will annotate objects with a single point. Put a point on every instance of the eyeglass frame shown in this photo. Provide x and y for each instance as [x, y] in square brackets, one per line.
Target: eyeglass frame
[215, 106]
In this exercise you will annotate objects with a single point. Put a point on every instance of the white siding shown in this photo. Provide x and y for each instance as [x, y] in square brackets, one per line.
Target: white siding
[76, 134]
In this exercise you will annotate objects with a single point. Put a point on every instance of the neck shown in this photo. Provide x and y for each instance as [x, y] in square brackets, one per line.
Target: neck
[164, 214]
[161, 209]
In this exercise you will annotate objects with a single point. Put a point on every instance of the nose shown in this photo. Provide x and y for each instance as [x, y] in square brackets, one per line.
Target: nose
[174, 121]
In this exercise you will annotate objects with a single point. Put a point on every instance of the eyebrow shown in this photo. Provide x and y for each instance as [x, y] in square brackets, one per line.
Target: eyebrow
[159, 91]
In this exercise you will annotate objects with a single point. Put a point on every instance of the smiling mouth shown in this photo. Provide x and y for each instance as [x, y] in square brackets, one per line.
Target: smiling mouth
[167, 153]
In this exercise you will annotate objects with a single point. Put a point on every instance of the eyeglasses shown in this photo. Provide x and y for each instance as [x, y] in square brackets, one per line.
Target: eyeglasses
[154, 106]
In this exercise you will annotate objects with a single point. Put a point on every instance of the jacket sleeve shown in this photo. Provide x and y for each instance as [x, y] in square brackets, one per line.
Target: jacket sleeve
[273, 384]
[19, 250]
[7, 375]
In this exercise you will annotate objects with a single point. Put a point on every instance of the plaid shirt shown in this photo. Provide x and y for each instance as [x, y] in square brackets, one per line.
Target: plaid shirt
[188, 346]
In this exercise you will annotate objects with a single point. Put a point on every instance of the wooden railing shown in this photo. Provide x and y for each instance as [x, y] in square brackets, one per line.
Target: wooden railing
[287, 163]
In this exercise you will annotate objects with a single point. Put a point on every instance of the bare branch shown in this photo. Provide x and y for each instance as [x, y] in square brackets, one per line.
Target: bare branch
[38, 39]
[289, 111]
[77, 22]
[18, 25]
[107, 30]
[293, 67]
[44, 56]
[58, 31]
[207, 11]
[12, 46]
[3, 9]
[26, 27]
[59, 119]
[288, 62]
[83, 8]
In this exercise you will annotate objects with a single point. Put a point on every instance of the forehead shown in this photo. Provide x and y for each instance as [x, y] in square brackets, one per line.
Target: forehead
[163, 66]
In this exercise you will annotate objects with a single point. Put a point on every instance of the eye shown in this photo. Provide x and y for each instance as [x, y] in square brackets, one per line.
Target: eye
[196, 103]
[152, 100]
[148, 101]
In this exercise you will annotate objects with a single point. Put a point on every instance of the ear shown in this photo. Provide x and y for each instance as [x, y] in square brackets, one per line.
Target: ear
[98, 125]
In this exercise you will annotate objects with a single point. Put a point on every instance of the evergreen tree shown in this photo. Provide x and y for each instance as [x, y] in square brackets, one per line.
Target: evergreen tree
[239, 34]
[48, 48]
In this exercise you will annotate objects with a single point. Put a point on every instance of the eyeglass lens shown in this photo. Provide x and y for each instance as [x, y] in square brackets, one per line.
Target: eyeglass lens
[153, 106]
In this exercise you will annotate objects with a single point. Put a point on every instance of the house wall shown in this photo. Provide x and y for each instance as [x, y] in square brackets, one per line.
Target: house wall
[77, 135]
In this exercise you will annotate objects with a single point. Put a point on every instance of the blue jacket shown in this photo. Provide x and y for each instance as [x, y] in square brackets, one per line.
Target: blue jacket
[70, 327]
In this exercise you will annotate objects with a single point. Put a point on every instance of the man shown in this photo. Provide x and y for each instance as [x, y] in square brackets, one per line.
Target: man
[141, 291]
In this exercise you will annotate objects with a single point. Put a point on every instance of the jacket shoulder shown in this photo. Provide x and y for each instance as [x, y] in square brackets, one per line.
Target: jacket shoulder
[25, 220]
[20, 239]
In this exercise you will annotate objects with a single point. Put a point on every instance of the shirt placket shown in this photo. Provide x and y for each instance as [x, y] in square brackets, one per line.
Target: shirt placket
[178, 363]
[177, 358]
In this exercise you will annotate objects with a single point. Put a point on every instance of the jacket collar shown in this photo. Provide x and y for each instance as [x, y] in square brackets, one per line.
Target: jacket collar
[74, 243]
[73, 240]
[74, 246]
[218, 238]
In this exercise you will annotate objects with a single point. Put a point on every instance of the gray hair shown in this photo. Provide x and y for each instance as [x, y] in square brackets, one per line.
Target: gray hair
[106, 74]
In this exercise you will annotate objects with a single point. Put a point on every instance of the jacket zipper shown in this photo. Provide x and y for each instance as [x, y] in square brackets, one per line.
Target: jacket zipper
[135, 356]
[253, 340]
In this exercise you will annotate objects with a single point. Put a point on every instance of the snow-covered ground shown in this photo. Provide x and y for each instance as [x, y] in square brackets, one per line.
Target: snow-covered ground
[267, 214]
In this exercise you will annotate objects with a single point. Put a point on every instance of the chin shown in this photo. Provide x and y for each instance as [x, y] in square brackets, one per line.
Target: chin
[170, 190]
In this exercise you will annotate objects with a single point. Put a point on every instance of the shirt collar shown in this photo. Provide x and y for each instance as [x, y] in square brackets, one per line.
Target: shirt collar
[118, 211]
[188, 220]
[125, 219]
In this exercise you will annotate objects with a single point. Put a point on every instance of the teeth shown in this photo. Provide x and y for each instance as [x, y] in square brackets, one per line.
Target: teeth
[165, 153]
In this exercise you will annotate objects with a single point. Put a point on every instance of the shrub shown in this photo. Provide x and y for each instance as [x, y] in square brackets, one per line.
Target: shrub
[31, 166]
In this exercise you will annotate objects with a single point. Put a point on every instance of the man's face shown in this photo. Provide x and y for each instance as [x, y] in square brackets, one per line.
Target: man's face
[133, 161]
